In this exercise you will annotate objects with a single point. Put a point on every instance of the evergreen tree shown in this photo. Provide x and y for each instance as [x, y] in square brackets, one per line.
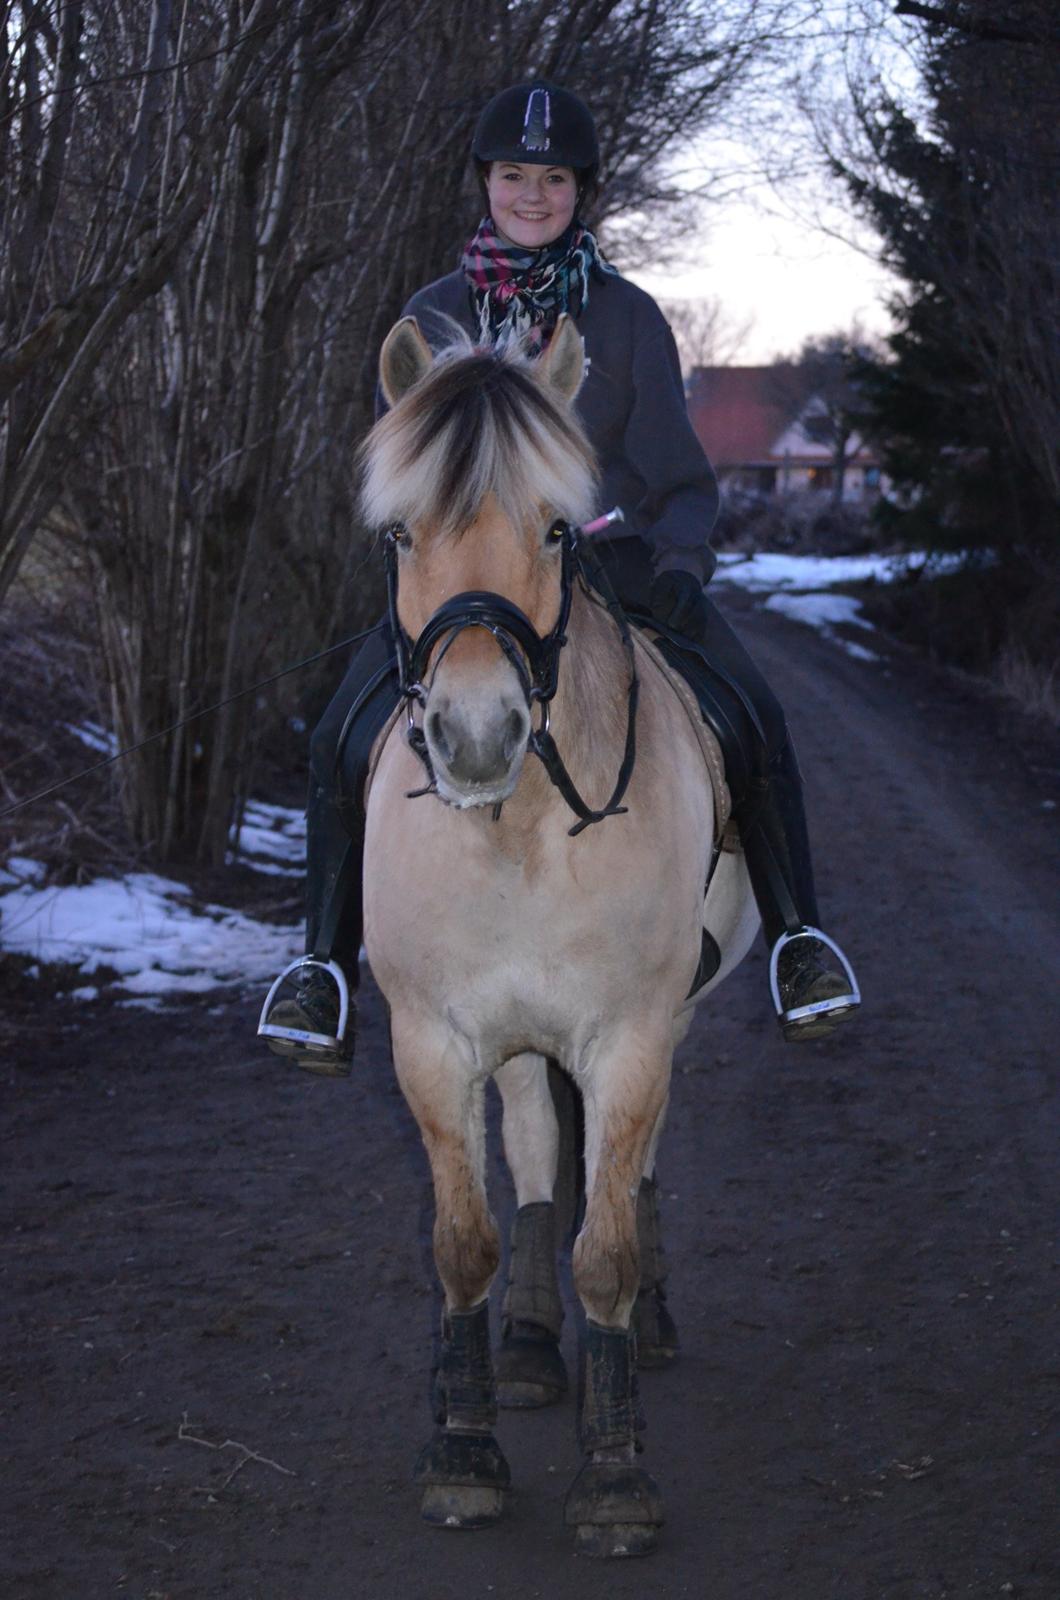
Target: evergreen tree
[968, 406]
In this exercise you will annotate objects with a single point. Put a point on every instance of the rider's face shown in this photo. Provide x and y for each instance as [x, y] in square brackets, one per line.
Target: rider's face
[531, 205]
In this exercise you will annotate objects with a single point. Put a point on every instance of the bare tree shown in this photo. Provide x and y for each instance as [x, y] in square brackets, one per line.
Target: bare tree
[706, 335]
[217, 211]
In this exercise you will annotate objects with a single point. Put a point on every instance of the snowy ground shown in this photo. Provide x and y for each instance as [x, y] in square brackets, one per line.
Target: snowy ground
[799, 587]
[144, 938]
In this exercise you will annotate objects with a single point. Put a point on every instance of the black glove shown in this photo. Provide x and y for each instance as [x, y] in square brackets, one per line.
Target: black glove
[677, 598]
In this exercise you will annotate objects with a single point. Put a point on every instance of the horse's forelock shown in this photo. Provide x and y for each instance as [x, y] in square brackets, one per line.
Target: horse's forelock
[478, 423]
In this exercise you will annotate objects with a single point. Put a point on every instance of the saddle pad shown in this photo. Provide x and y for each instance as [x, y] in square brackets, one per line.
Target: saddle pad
[725, 834]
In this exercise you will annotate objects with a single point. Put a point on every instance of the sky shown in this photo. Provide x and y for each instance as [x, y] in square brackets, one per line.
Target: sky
[782, 276]
[786, 259]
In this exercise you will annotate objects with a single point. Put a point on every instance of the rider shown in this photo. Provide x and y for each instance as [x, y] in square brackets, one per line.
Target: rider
[532, 258]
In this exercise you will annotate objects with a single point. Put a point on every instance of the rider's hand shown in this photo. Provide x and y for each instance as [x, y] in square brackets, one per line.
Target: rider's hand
[677, 598]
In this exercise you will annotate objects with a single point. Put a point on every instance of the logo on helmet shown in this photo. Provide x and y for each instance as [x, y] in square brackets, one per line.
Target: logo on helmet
[538, 121]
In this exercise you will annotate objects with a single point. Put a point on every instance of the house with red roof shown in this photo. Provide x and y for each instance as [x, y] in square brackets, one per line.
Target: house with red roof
[766, 431]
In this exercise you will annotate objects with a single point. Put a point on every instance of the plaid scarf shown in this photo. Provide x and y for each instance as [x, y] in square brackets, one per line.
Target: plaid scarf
[518, 293]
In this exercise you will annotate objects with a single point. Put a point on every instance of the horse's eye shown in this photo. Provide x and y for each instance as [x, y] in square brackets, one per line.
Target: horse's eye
[400, 536]
[555, 533]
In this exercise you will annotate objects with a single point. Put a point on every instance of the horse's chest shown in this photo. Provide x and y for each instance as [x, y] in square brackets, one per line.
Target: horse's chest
[527, 938]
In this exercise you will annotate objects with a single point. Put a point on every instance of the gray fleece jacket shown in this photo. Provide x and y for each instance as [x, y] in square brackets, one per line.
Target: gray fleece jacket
[632, 405]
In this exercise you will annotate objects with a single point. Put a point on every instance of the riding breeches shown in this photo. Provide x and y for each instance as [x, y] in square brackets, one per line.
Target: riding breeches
[770, 815]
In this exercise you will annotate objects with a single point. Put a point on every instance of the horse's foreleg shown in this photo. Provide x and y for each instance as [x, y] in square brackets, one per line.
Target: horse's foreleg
[462, 1470]
[615, 1506]
[653, 1327]
[530, 1369]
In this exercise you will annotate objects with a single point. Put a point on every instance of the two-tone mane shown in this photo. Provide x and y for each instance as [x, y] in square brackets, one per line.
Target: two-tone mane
[479, 423]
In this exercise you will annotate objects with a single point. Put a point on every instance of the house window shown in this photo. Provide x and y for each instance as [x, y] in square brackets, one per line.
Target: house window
[819, 477]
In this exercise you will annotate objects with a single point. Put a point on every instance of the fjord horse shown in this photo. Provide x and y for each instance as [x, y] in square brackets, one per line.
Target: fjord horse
[505, 927]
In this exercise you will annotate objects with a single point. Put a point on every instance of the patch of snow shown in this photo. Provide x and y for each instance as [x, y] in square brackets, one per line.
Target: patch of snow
[148, 930]
[22, 869]
[818, 610]
[271, 840]
[773, 570]
[87, 993]
[825, 612]
[96, 737]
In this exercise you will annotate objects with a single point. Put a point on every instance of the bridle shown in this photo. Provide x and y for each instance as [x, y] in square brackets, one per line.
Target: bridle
[534, 657]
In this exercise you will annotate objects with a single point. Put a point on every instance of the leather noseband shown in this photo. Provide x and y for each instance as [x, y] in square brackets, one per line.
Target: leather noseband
[534, 657]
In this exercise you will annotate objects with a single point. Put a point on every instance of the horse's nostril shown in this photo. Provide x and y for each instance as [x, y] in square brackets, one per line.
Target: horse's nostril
[516, 729]
[436, 734]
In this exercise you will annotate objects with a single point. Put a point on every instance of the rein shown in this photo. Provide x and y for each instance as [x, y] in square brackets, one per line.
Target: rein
[534, 657]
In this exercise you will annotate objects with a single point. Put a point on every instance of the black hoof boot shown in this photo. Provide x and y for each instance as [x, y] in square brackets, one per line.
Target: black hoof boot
[462, 1470]
[657, 1342]
[530, 1369]
[615, 1509]
[613, 1506]
[464, 1478]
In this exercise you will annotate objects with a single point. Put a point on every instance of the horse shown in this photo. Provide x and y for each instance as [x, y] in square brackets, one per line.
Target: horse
[538, 899]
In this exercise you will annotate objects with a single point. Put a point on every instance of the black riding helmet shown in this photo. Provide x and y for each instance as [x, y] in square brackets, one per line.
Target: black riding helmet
[538, 124]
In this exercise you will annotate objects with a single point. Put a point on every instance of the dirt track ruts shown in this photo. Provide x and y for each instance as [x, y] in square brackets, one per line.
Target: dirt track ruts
[862, 1237]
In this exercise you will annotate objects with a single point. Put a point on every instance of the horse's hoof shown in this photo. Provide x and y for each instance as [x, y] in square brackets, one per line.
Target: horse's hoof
[611, 1541]
[615, 1510]
[461, 1505]
[464, 1478]
[658, 1344]
[530, 1372]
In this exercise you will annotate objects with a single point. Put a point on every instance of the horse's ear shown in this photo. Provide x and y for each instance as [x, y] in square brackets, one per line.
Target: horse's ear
[403, 360]
[563, 364]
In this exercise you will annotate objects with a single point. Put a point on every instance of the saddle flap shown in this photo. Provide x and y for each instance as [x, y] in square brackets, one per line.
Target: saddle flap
[725, 835]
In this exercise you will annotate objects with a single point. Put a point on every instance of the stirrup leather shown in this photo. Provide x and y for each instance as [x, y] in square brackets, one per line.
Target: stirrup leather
[273, 1030]
[817, 1008]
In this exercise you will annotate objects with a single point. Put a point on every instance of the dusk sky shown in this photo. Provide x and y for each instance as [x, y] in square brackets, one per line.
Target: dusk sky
[790, 277]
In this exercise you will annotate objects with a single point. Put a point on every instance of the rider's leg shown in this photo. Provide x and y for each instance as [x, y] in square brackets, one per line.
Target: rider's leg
[773, 820]
[334, 848]
[777, 849]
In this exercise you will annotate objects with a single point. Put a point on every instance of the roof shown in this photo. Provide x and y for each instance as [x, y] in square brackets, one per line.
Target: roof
[740, 412]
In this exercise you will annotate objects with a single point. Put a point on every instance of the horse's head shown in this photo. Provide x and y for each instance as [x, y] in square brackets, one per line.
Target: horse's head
[478, 459]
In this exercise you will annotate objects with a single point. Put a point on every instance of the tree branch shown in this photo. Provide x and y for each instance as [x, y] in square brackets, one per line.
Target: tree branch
[947, 16]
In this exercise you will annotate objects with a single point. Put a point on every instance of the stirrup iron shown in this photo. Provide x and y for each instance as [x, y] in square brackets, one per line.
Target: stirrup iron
[273, 1030]
[817, 1008]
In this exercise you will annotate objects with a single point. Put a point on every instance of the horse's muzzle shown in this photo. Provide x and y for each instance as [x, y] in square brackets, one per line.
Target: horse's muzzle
[476, 744]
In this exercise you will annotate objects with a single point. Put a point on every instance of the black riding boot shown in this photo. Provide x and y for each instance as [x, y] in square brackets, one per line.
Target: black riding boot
[340, 752]
[810, 993]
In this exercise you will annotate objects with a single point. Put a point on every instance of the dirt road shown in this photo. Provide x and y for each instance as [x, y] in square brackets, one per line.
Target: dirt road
[201, 1251]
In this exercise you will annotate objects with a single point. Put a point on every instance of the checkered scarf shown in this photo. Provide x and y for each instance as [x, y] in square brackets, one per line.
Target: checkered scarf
[517, 292]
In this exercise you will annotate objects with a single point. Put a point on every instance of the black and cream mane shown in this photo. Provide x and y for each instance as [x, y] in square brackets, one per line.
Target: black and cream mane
[479, 423]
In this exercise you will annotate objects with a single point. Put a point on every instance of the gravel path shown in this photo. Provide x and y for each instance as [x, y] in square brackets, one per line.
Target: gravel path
[217, 1284]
